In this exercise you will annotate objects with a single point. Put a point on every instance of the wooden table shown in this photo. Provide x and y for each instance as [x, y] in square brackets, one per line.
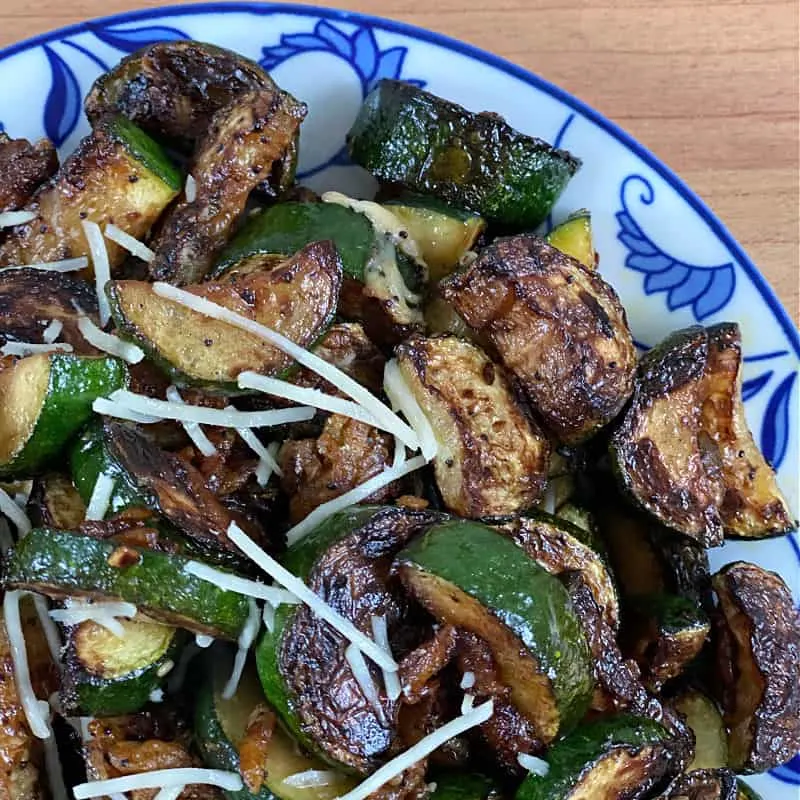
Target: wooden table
[711, 86]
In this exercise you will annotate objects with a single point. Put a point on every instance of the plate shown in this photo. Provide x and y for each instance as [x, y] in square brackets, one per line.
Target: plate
[671, 260]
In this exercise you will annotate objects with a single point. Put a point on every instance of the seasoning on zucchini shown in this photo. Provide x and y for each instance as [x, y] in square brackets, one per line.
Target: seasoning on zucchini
[46, 398]
[710, 737]
[491, 460]
[60, 563]
[573, 236]
[23, 168]
[408, 137]
[297, 299]
[619, 756]
[757, 631]
[54, 502]
[107, 675]
[558, 327]
[118, 174]
[471, 576]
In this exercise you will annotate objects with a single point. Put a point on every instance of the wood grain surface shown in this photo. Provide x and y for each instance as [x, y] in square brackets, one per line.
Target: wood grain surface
[710, 86]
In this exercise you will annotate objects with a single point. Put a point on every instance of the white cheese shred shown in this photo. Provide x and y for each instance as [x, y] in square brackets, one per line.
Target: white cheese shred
[34, 709]
[401, 398]
[129, 243]
[203, 641]
[109, 408]
[193, 430]
[55, 773]
[22, 349]
[190, 189]
[100, 500]
[355, 495]
[263, 470]
[102, 267]
[422, 749]
[311, 778]
[467, 703]
[244, 586]
[8, 219]
[467, 680]
[52, 331]
[313, 601]
[170, 793]
[399, 453]
[383, 415]
[534, 765]
[268, 617]
[50, 629]
[266, 458]
[160, 779]
[109, 343]
[391, 681]
[361, 673]
[156, 696]
[19, 519]
[246, 639]
[67, 265]
[103, 613]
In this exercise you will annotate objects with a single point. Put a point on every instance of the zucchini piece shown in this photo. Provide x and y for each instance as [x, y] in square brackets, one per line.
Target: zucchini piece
[117, 174]
[557, 326]
[710, 737]
[745, 792]
[23, 168]
[443, 234]
[753, 506]
[411, 138]
[220, 726]
[297, 299]
[46, 398]
[663, 633]
[476, 578]
[59, 563]
[54, 502]
[358, 543]
[757, 631]
[621, 756]
[705, 784]
[106, 675]
[491, 460]
[463, 786]
[581, 518]
[573, 236]
[441, 317]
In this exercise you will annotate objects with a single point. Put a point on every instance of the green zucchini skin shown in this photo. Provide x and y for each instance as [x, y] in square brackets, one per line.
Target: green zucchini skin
[145, 150]
[573, 758]
[406, 136]
[60, 563]
[573, 236]
[74, 383]
[462, 786]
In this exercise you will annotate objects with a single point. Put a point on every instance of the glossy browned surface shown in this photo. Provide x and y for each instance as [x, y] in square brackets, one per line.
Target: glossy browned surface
[254, 747]
[54, 502]
[705, 784]
[23, 168]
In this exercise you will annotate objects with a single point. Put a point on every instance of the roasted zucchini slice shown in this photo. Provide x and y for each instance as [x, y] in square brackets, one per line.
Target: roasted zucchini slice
[558, 327]
[106, 675]
[463, 786]
[620, 756]
[410, 138]
[491, 460]
[46, 398]
[54, 502]
[475, 578]
[222, 733]
[745, 792]
[757, 653]
[24, 167]
[705, 784]
[297, 299]
[710, 737]
[663, 633]
[117, 174]
[573, 236]
[753, 506]
[60, 563]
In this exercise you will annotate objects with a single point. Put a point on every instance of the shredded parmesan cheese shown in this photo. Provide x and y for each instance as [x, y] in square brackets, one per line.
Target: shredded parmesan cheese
[51, 634]
[422, 749]
[103, 613]
[246, 639]
[159, 779]
[534, 765]
[111, 409]
[8, 219]
[356, 495]
[67, 265]
[467, 703]
[268, 617]
[380, 634]
[384, 417]
[101, 496]
[17, 516]
[202, 640]
[190, 190]
[55, 774]
[311, 778]
[233, 583]
[171, 793]
[313, 601]
[102, 267]
[467, 680]
[165, 668]
[52, 331]
[267, 463]
[129, 243]
[22, 349]
[264, 470]
[156, 696]
[363, 678]
[109, 343]
[401, 398]
[193, 430]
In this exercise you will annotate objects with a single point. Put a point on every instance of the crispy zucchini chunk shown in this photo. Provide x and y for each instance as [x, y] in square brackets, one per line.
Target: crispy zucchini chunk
[705, 784]
[491, 459]
[558, 327]
[24, 167]
[54, 502]
[710, 737]
[758, 660]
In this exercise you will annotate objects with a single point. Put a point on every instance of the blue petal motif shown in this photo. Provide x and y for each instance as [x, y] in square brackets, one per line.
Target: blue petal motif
[753, 386]
[129, 40]
[789, 772]
[705, 289]
[775, 426]
[63, 105]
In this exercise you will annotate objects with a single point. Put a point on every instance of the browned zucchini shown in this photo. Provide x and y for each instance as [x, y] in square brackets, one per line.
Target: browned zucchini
[757, 651]
[245, 139]
[753, 506]
[23, 168]
[705, 784]
[54, 502]
[710, 737]
[491, 460]
[298, 299]
[559, 328]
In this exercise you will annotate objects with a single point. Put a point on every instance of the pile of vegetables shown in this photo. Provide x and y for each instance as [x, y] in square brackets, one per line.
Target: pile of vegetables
[307, 497]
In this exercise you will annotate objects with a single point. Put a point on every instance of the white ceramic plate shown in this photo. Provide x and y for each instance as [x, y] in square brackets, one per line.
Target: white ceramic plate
[671, 260]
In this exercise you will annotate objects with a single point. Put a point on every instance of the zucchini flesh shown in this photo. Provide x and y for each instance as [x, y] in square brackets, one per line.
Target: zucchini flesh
[24, 167]
[710, 737]
[411, 138]
[46, 398]
[471, 576]
[58, 563]
[573, 236]
[297, 299]
[705, 784]
[54, 502]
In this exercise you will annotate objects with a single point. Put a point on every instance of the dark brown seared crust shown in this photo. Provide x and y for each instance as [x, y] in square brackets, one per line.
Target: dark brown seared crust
[425, 662]
[559, 328]
[705, 784]
[24, 167]
[353, 578]
[243, 142]
[31, 298]
[661, 455]
[757, 645]
[54, 502]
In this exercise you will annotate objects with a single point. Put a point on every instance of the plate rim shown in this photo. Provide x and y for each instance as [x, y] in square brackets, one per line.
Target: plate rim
[715, 224]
